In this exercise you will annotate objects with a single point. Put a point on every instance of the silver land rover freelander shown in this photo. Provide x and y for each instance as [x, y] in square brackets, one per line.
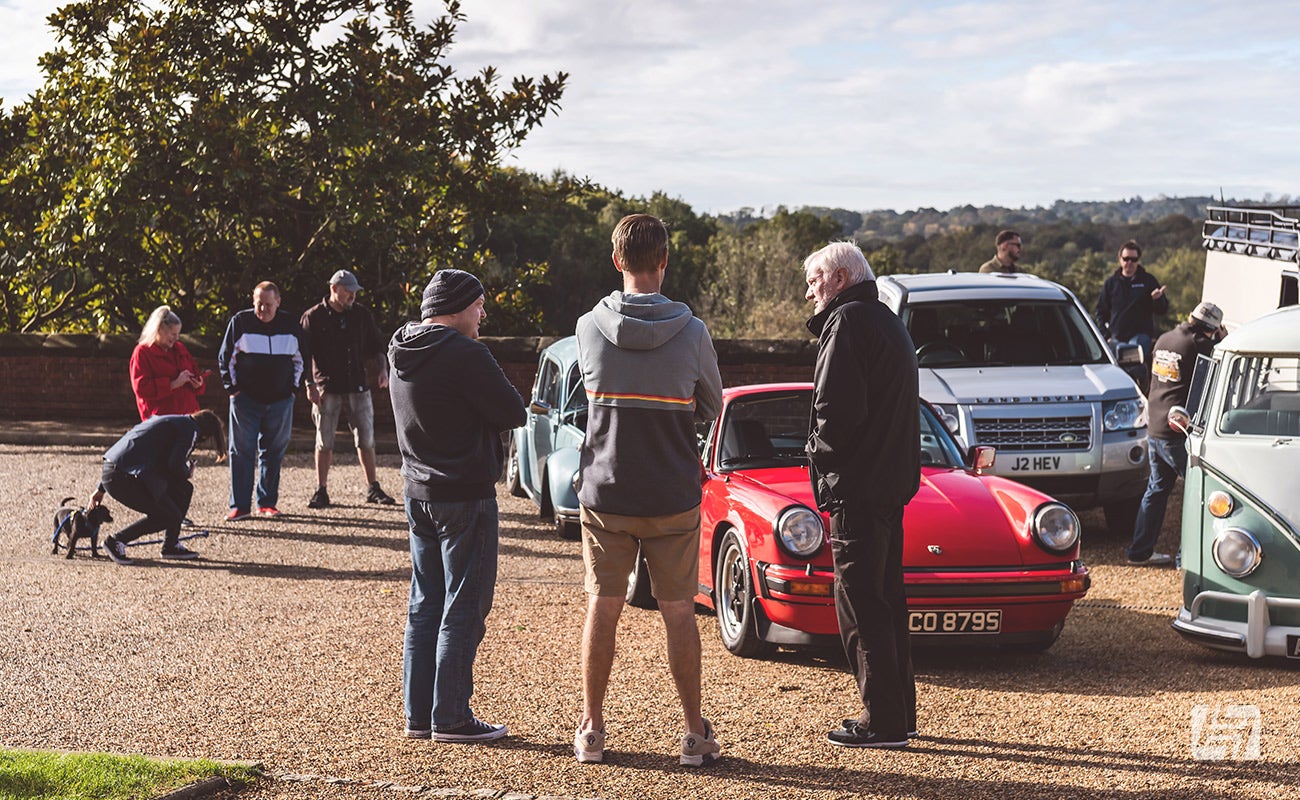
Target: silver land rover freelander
[1014, 361]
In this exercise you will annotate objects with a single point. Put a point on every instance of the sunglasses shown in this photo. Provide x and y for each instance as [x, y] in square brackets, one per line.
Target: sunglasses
[1128, 260]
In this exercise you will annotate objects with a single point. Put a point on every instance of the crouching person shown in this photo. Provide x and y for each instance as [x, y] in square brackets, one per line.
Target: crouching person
[149, 470]
[451, 401]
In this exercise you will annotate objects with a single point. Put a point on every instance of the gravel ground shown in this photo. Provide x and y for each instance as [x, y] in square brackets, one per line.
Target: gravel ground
[283, 645]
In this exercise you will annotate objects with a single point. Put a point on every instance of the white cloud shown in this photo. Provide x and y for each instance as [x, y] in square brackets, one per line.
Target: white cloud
[882, 103]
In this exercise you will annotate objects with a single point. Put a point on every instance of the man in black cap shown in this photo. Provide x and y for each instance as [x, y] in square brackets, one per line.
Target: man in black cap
[343, 337]
[451, 401]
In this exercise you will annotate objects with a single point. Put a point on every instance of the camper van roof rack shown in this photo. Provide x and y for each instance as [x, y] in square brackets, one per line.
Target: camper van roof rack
[1271, 232]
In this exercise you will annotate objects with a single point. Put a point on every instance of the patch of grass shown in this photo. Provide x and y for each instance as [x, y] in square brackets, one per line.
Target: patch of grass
[29, 774]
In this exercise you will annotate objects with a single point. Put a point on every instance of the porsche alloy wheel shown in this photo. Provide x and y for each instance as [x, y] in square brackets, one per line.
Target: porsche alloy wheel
[733, 598]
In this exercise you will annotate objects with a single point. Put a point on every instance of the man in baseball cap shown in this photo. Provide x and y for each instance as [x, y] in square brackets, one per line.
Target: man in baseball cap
[344, 337]
[1173, 358]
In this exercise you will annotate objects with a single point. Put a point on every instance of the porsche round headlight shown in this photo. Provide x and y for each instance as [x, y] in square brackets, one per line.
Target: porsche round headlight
[799, 530]
[1237, 552]
[1055, 527]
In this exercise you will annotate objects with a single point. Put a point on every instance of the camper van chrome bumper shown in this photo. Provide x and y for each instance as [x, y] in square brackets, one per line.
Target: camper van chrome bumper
[1256, 637]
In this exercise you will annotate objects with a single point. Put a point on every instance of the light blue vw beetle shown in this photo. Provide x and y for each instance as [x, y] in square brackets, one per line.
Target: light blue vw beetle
[543, 456]
[1241, 501]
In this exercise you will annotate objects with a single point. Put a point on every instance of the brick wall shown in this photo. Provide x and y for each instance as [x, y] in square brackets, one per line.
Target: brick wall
[84, 376]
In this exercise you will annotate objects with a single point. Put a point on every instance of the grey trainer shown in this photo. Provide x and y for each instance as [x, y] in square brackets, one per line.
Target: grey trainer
[699, 751]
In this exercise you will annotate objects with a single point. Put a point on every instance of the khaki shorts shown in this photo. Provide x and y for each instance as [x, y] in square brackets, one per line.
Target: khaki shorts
[670, 544]
[361, 419]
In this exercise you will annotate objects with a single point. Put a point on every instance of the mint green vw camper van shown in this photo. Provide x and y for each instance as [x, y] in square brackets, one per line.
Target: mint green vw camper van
[1241, 499]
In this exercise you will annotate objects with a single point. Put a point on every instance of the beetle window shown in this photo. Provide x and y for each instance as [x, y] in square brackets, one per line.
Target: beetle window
[1263, 397]
[548, 386]
[577, 392]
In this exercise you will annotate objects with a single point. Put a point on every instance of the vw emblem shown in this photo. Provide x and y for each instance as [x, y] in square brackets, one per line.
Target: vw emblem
[935, 549]
[1068, 438]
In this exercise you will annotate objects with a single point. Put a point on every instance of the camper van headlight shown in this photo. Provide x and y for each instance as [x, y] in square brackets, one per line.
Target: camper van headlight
[1055, 527]
[1237, 552]
[1124, 415]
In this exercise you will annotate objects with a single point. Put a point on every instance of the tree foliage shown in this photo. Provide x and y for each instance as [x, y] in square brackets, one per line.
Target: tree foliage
[180, 151]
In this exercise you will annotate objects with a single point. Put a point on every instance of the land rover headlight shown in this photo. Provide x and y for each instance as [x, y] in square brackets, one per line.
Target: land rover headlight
[1124, 415]
[1237, 552]
[799, 530]
[1055, 527]
[948, 416]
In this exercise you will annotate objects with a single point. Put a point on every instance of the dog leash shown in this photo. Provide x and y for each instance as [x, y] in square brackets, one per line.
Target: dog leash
[203, 534]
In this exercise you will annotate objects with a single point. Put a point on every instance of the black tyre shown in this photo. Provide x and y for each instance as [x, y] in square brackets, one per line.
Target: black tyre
[1121, 515]
[733, 598]
[638, 586]
[512, 471]
[568, 530]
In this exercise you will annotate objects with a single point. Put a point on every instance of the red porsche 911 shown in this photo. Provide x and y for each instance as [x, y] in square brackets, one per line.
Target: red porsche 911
[986, 560]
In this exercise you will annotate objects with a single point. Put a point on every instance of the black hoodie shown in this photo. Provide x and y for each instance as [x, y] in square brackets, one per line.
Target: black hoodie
[451, 401]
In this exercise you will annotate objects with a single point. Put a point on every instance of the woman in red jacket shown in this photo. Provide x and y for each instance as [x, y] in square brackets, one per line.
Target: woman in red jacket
[164, 377]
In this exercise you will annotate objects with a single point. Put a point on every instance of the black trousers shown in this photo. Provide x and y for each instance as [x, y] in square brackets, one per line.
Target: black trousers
[163, 512]
[867, 545]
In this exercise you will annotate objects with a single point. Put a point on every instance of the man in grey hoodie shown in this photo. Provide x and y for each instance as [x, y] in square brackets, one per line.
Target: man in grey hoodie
[651, 373]
[451, 401]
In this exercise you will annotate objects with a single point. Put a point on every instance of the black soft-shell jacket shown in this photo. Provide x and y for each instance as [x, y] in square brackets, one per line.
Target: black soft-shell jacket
[864, 442]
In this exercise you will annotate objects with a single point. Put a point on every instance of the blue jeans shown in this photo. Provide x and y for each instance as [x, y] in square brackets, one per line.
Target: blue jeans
[257, 431]
[1168, 461]
[453, 576]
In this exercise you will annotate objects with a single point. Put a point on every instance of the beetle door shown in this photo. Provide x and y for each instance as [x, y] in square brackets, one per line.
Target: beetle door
[541, 418]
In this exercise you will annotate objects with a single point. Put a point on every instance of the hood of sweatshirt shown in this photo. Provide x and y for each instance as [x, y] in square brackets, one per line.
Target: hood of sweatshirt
[415, 344]
[640, 321]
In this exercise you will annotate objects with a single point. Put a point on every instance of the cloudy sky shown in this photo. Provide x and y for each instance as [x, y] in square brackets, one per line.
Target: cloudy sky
[867, 104]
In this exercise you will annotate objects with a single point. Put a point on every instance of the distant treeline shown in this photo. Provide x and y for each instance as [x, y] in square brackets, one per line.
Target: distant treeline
[741, 271]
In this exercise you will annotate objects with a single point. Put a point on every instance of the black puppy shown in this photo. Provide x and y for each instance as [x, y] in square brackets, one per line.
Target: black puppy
[77, 523]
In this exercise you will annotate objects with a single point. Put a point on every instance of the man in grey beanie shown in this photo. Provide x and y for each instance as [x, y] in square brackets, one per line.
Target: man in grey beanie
[451, 401]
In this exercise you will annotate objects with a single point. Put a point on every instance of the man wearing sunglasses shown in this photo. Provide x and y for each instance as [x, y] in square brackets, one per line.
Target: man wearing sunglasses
[1130, 300]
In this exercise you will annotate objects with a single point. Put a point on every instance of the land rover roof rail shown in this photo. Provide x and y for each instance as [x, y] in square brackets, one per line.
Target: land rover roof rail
[1271, 232]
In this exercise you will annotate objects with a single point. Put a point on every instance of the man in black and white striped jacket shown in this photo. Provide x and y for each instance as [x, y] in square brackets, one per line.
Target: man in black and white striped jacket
[262, 358]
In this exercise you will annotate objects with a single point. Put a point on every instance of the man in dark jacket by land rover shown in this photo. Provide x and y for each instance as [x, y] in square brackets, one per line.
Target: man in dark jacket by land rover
[865, 464]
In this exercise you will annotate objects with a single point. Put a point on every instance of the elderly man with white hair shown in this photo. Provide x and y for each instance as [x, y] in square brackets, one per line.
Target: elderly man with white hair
[865, 464]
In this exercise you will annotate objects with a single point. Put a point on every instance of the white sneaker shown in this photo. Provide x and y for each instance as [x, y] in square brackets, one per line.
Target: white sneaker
[697, 750]
[589, 746]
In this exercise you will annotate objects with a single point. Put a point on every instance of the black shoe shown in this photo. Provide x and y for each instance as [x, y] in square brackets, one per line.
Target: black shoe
[117, 551]
[321, 498]
[849, 723]
[476, 730]
[858, 736]
[179, 552]
[377, 495]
